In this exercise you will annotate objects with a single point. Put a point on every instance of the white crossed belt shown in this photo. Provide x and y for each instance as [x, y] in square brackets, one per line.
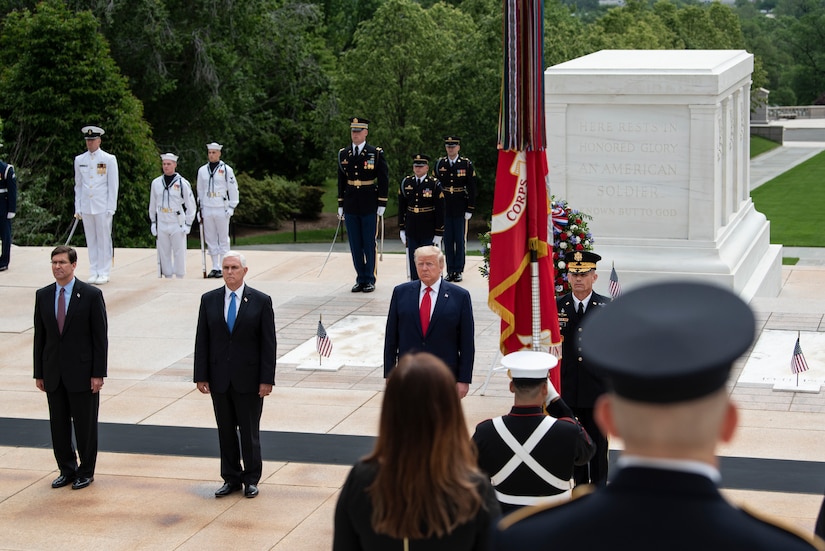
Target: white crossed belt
[522, 455]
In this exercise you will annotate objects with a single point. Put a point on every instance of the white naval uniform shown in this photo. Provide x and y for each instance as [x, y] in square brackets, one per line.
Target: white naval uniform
[95, 198]
[173, 210]
[218, 197]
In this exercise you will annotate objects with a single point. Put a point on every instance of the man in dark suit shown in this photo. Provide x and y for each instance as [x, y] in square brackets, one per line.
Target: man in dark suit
[432, 315]
[70, 361]
[235, 363]
[8, 208]
[580, 385]
[363, 185]
[666, 351]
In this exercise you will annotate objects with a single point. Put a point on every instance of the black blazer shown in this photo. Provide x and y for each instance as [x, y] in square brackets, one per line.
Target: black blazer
[246, 357]
[370, 164]
[450, 335]
[81, 352]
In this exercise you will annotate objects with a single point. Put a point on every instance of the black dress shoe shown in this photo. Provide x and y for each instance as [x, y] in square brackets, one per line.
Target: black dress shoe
[212, 274]
[81, 482]
[3, 268]
[62, 480]
[357, 288]
[368, 288]
[457, 277]
[251, 490]
[227, 489]
[448, 277]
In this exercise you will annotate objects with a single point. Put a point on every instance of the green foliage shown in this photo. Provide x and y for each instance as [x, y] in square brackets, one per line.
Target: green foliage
[57, 76]
[761, 145]
[794, 202]
[308, 202]
[266, 202]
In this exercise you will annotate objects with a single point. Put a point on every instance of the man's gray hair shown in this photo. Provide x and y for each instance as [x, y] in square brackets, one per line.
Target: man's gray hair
[239, 256]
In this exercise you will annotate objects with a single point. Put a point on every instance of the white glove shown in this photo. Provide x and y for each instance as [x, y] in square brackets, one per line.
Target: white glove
[551, 393]
[403, 235]
[340, 213]
[154, 229]
[186, 229]
[437, 240]
[10, 215]
[110, 213]
[468, 215]
[381, 211]
[230, 212]
[78, 215]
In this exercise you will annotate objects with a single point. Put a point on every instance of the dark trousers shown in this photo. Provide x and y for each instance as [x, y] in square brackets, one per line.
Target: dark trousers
[80, 408]
[412, 245]
[239, 414]
[5, 236]
[594, 472]
[361, 233]
[454, 246]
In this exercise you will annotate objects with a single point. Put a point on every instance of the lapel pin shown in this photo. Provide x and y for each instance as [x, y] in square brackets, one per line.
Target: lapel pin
[78, 295]
[245, 299]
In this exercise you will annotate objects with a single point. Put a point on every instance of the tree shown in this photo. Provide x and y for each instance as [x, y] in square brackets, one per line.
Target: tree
[57, 76]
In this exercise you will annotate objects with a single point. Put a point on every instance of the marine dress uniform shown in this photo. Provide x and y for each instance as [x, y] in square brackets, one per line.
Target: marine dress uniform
[8, 208]
[172, 211]
[420, 212]
[218, 198]
[95, 202]
[363, 184]
[528, 454]
[458, 181]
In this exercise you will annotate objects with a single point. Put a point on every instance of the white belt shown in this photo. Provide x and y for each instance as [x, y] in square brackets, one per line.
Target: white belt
[534, 500]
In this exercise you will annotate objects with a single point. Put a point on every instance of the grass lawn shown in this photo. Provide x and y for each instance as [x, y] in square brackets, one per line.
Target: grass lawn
[794, 202]
[761, 145]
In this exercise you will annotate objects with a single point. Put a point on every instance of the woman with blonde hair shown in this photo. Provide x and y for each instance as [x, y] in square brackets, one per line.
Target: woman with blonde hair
[420, 488]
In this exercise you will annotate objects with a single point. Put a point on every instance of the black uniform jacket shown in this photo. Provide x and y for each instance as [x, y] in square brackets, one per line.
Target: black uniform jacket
[459, 184]
[421, 208]
[363, 181]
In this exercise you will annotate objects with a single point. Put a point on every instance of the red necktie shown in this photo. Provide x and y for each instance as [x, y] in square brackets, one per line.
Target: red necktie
[424, 311]
[61, 309]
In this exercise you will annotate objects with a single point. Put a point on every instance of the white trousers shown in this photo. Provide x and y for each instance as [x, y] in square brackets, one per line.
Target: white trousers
[216, 233]
[172, 251]
[98, 230]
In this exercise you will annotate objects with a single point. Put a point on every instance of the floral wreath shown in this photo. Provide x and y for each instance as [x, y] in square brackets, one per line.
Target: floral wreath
[570, 233]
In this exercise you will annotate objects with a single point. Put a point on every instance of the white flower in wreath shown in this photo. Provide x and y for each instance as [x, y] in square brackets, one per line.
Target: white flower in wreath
[563, 245]
[562, 265]
[574, 227]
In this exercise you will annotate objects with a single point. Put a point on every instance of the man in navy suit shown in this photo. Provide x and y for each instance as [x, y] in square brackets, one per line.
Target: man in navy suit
[70, 361]
[666, 352]
[449, 332]
[235, 363]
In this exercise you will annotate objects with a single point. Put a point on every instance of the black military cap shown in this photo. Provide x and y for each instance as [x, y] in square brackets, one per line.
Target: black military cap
[668, 342]
[452, 140]
[419, 159]
[580, 262]
[358, 124]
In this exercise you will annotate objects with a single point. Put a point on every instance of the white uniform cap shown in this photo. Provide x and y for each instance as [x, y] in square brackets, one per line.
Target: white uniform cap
[214, 146]
[169, 157]
[528, 364]
[92, 132]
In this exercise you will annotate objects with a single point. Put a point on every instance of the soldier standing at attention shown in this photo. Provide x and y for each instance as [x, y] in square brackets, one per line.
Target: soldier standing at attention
[420, 210]
[8, 206]
[459, 184]
[96, 184]
[218, 199]
[363, 184]
[172, 211]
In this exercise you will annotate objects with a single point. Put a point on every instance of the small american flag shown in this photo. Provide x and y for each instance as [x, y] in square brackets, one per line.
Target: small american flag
[324, 345]
[798, 363]
[615, 288]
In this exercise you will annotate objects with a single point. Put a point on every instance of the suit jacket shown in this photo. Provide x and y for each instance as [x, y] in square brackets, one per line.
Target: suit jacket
[648, 509]
[580, 383]
[369, 164]
[81, 351]
[450, 335]
[244, 358]
[8, 181]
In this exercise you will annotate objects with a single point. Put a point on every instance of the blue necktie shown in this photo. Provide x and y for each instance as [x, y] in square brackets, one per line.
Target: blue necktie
[230, 315]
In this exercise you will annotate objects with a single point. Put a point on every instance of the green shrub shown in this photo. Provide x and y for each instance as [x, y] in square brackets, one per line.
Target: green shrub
[266, 202]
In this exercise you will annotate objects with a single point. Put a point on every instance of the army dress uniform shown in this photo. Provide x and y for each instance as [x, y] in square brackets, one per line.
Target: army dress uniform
[420, 214]
[96, 186]
[172, 211]
[363, 185]
[8, 208]
[458, 182]
[218, 198]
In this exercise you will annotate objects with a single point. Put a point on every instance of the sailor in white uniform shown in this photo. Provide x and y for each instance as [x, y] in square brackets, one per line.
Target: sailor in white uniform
[218, 199]
[172, 211]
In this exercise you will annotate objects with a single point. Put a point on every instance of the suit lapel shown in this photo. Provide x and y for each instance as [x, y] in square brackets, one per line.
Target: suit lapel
[440, 303]
[72, 305]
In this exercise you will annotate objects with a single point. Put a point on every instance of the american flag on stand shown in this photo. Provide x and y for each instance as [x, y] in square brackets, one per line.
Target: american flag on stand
[615, 287]
[798, 363]
[324, 344]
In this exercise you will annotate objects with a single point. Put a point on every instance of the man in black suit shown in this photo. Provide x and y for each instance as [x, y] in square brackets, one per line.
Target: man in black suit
[432, 315]
[70, 361]
[666, 351]
[580, 385]
[235, 363]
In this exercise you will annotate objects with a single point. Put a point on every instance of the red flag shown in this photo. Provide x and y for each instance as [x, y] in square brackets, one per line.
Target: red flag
[520, 223]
